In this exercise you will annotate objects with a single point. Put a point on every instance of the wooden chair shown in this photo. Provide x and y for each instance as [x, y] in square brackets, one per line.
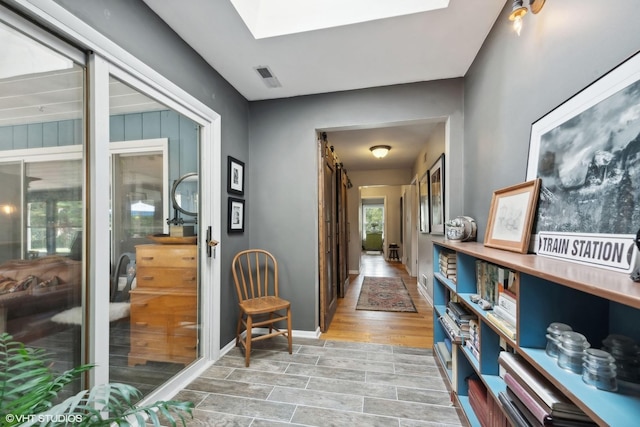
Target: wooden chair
[255, 273]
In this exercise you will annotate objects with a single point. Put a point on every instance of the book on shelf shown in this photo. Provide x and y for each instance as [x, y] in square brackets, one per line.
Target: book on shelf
[452, 329]
[444, 354]
[515, 416]
[541, 389]
[447, 256]
[520, 406]
[491, 280]
[541, 413]
[478, 400]
[447, 342]
[473, 348]
[507, 302]
[502, 324]
[505, 315]
[460, 311]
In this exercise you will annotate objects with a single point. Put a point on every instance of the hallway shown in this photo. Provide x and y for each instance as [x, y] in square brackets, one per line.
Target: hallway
[402, 329]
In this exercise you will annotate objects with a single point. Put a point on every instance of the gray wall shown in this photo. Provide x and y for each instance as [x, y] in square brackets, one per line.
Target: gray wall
[133, 26]
[284, 162]
[514, 81]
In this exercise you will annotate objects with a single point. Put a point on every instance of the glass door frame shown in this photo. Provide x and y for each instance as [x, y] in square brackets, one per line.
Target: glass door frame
[105, 58]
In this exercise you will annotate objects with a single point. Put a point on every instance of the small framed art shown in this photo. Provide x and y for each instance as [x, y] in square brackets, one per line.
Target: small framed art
[235, 220]
[235, 180]
[511, 216]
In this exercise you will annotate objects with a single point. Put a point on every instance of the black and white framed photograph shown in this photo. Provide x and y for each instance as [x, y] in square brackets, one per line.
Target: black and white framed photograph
[235, 180]
[235, 220]
[436, 196]
[587, 153]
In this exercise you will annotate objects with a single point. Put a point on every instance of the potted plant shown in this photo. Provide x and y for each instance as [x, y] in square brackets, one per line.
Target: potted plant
[28, 388]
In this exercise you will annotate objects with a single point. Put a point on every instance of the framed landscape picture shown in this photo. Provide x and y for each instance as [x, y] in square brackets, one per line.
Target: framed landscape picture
[587, 153]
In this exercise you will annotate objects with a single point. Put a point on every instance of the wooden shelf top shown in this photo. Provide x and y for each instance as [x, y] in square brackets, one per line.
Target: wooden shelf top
[611, 285]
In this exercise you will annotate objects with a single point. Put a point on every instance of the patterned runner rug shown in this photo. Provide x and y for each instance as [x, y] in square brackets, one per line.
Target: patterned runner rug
[385, 294]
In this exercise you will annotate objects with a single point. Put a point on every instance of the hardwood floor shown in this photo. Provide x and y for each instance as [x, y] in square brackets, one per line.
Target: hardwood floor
[404, 329]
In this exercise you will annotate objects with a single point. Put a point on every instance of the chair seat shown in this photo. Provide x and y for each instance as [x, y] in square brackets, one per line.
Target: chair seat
[264, 304]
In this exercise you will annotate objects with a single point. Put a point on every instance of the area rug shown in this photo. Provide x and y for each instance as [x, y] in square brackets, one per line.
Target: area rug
[385, 294]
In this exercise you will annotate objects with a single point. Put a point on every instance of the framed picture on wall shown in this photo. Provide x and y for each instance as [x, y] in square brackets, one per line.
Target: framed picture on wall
[423, 189]
[235, 219]
[511, 216]
[235, 180]
[586, 153]
[436, 196]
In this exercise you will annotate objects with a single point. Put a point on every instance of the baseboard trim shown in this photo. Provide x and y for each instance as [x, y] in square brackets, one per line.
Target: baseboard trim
[294, 333]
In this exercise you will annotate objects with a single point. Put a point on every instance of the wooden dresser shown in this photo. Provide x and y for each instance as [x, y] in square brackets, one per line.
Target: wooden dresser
[164, 305]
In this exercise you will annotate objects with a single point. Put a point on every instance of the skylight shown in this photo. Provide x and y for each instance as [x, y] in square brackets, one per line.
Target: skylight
[270, 18]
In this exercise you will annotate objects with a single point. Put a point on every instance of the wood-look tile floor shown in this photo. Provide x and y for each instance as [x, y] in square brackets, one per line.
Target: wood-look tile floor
[405, 329]
[323, 383]
[368, 369]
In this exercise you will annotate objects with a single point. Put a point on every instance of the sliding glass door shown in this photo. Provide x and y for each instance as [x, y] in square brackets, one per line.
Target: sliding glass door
[102, 210]
[154, 256]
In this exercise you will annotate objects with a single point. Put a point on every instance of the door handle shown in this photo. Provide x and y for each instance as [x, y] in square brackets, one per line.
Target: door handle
[211, 243]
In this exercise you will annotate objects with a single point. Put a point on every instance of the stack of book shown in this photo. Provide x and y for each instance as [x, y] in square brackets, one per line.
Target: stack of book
[503, 321]
[461, 316]
[448, 265]
[531, 400]
[473, 342]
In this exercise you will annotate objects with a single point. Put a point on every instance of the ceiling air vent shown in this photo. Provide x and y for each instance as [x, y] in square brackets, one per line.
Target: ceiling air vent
[267, 77]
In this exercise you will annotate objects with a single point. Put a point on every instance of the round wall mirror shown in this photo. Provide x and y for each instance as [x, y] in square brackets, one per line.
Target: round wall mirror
[184, 194]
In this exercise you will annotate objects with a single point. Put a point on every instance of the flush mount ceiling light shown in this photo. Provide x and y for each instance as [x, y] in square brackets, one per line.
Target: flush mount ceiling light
[518, 10]
[380, 151]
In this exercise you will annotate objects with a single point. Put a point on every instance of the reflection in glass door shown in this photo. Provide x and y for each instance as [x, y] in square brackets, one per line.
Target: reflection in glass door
[41, 196]
[154, 252]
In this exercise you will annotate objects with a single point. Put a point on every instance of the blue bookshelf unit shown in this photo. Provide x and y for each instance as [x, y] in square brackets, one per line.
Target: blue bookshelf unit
[595, 302]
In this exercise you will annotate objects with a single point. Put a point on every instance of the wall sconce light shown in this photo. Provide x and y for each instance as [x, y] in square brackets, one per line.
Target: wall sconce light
[7, 209]
[379, 151]
[518, 10]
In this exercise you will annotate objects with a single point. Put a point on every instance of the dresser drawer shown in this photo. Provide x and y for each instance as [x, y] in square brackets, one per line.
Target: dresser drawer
[169, 277]
[149, 346]
[172, 325]
[169, 303]
[164, 344]
[167, 256]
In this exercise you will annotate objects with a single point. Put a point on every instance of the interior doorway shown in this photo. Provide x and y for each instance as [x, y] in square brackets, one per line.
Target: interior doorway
[373, 225]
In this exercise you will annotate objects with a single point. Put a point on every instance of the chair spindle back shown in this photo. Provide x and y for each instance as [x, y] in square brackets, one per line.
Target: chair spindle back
[255, 273]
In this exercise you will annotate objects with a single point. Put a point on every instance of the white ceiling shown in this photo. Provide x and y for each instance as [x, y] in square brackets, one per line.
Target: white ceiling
[432, 45]
[423, 46]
